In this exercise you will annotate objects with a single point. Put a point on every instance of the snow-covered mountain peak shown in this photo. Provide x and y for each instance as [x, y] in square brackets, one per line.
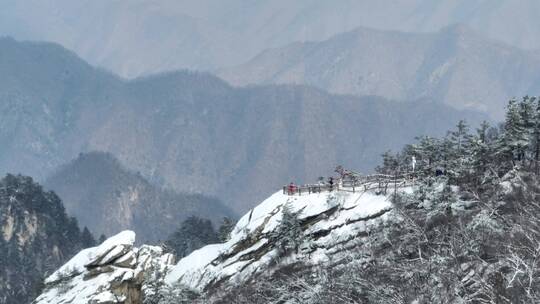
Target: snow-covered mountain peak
[326, 221]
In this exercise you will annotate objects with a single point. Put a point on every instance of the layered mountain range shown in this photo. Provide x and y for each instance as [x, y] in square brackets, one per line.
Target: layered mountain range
[142, 37]
[192, 132]
[307, 85]
[456, 66]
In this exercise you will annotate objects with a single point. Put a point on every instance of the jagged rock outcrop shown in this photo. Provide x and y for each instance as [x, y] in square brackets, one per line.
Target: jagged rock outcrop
[330, 223]
[113, 272]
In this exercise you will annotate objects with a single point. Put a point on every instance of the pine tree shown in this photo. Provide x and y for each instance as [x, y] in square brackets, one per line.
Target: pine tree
[390, 164]
[224, 231]
[527, 115]
[457, 153]
[514, 141]
[428, 155]
[481, 153]
[535, 132]
[193, 234]
[289, 233]
[87, 239]
[102, 238]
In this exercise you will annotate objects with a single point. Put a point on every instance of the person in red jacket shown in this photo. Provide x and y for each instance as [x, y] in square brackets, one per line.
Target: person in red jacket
[292, 188]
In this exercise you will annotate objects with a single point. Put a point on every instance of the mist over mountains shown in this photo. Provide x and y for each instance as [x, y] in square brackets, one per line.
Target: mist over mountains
[193, 132]
[167, 118]
[107, 198]
[455, 66]
[140, 37]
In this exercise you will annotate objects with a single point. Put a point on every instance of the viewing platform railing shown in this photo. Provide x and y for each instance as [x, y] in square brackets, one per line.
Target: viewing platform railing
[380, 182]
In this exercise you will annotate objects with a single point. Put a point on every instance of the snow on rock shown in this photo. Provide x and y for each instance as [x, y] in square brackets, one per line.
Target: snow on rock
[113, 248]
[329, 221]
[93, 255]
[112, 272]
[117, 272]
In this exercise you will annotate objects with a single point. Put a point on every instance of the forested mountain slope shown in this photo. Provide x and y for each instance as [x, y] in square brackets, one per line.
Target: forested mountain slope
[193, 132]
[107, 198]
[36, 237]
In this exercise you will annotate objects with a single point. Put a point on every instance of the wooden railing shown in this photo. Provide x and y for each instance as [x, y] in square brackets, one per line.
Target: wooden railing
[380, 182]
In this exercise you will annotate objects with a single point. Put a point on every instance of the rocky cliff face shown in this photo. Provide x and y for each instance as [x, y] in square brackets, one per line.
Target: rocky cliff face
[327, 225]
[313, 229]
[107, 198]
[113, 272]
[36, 237]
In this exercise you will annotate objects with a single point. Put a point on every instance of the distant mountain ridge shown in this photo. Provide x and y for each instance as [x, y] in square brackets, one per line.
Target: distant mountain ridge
[141, 37]
[107, 198]
[193, 132]
[455, 66]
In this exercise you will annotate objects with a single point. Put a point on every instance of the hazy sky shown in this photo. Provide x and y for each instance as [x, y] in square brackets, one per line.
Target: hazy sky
[134, 37]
